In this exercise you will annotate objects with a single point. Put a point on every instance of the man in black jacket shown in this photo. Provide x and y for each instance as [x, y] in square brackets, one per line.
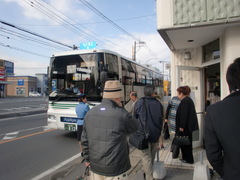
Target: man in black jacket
[149, 111]
[104, 136]
[222, 140]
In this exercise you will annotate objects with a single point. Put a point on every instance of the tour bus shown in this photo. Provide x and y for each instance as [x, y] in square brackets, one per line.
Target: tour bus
[87, 71]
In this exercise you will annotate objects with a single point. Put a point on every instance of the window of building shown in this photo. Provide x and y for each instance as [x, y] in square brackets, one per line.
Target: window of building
[211, 51]
[20, 91]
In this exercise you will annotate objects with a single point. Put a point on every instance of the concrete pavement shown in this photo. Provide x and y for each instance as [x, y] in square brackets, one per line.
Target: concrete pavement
[176, 170]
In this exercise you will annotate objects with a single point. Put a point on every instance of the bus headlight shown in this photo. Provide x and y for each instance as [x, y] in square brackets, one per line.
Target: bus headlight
[52, 117]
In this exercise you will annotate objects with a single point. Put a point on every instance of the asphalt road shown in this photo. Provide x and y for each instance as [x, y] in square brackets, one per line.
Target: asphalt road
[28, 148]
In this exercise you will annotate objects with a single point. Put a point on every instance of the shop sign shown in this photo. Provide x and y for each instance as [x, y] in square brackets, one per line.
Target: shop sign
[9, 67]
[20, 82]
[2, 74]
[1, 63]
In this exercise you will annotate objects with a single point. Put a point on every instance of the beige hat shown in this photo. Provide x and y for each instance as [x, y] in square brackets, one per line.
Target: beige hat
[112, 90]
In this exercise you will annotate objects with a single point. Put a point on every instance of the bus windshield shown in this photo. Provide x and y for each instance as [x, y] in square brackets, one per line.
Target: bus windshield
[71, 75]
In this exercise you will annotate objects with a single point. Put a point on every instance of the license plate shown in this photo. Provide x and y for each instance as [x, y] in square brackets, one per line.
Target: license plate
[70, 127]
[69, 119]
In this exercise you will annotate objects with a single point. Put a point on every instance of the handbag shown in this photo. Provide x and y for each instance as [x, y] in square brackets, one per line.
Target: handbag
[166, 131]
[181, 140]
[139, 139]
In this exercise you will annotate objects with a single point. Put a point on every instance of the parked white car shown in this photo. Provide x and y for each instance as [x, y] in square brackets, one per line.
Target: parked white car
[34, 94]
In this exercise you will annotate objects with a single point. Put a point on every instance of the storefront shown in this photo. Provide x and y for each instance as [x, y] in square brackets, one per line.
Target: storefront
[6, 68]
[203, 44]
[21, 85]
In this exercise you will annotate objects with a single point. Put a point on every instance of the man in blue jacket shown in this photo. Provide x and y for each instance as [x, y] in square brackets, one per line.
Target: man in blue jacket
[149, 111]
[104, 136]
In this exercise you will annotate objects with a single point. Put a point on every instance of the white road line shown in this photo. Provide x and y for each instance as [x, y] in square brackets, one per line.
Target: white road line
[32, 115]
[20, 108]
[44, 128]
[51, 170]
[10, 135]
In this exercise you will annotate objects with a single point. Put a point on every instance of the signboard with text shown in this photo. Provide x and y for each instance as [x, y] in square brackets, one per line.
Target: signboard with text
[54, 85]
[2, 74]
[88, 45]
[9, 67]
[20, 82]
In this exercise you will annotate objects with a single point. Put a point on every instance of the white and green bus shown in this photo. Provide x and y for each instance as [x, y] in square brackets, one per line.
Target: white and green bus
[88, 70]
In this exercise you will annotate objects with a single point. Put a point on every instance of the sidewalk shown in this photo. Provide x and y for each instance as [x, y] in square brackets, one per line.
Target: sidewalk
[176, 170]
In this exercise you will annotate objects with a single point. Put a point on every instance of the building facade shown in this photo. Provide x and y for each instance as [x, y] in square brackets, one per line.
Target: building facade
[6, 69]
[42, 83]
[204, 37]
[20, 86]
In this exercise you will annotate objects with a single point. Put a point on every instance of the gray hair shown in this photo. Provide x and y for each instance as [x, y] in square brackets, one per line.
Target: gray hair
[149, 90]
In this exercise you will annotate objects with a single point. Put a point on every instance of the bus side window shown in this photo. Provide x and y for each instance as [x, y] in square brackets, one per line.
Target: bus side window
[112, 67]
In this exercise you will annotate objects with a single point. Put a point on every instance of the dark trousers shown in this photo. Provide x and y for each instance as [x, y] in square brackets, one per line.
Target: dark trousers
[187, 152]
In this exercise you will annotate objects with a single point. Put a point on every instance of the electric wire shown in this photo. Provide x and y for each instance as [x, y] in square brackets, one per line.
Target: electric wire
[114, 24]
[95, 37]
[55, 17]
[32, 33]
[28, 38]
[106, 18]
[19, 49]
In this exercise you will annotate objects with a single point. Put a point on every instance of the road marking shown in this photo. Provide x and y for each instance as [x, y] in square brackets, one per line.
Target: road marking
[51, 170]
[16, 117]
[29, 129]
[26, 136]
[11, 135]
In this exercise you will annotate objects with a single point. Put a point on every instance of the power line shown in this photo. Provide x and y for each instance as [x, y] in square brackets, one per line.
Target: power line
[18, 49]
[114, 24]
[35, 34]
[106, 18]
[82, 24]
[28, 38]
[55, 16]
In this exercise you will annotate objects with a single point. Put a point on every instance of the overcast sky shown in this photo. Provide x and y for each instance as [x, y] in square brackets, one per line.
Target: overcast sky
[71, 22]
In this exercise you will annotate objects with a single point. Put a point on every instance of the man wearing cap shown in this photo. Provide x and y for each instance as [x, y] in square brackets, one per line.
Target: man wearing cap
[104, 136]
[81, 110]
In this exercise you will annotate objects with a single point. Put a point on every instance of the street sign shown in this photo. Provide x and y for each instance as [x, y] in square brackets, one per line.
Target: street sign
[88, 45]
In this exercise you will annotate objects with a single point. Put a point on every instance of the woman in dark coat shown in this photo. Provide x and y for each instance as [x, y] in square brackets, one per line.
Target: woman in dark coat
[186, 121]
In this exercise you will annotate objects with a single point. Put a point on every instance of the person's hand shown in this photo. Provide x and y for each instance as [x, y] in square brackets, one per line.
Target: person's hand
[181, 129]
[158, 146]
[87, 164]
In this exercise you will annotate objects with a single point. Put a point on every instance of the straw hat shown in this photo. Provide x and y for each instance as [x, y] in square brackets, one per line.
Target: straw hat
[112, 90]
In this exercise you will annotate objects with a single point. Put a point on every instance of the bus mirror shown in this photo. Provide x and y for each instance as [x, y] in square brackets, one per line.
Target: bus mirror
[103, 77]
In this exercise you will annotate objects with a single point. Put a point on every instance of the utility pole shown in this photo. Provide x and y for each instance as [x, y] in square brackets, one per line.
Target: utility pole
[134, 52]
